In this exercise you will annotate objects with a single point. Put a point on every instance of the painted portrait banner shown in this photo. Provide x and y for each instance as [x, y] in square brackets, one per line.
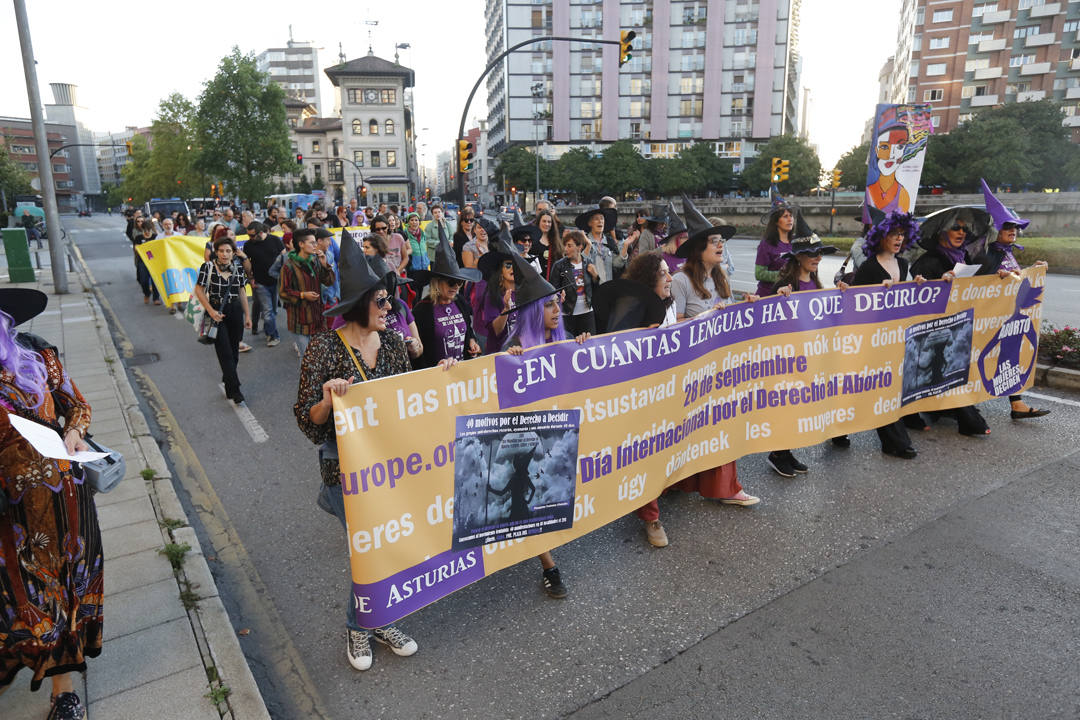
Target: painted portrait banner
[174, 262]
[895, 162]
[450, 476]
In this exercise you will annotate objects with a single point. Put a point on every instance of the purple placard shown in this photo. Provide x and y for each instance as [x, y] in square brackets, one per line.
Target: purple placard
[568, 367]
[381, 603]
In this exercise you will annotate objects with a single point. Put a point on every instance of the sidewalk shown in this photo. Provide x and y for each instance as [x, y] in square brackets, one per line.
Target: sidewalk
[170, 650]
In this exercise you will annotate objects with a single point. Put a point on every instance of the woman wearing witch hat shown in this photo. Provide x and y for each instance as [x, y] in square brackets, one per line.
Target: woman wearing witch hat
[363, 349]
[597, 223]
[947, 236]
[444, 318]
[773, 245]
[51, 582]
[492, 298]
[698, 287]
[537, 321]
[999, 258]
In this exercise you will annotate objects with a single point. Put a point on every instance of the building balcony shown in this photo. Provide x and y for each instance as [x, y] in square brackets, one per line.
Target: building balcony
[1040, 40]
[1074, 64]
[987, 73]
[1030, 96]
[1047, 10]
[1072, 93]
[984, 100]
[995, 17]
[1035, 68]
[991, 45]
[1071, 121]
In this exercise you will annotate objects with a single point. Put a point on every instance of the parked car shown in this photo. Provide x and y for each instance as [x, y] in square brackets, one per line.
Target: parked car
[84, 213]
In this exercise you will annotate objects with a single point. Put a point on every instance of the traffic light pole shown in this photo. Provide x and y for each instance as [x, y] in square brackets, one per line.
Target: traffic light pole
[491, 66]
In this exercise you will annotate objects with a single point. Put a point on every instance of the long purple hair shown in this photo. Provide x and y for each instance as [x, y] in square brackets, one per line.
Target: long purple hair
[25, 364]
[529, 330]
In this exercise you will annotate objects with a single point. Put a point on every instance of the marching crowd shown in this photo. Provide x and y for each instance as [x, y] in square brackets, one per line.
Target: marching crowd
[417, 290]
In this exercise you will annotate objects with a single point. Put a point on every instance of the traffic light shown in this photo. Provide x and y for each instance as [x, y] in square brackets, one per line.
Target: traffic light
[465, 155]
[775, 171]
[213, 190]
[836, 178]
[299, 158]
[782, 173]
[625, 40]
[513, 191]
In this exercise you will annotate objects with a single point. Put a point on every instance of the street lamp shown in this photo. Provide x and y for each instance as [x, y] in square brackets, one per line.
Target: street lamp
[538, 93]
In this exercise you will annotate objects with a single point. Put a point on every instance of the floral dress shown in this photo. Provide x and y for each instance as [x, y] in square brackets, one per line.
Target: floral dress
[51, 583]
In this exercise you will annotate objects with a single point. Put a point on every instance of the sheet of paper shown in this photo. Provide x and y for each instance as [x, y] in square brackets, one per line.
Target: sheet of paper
[47, 442]
[962, 270]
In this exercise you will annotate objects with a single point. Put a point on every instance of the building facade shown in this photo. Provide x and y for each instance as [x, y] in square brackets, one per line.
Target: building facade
[478, 181]
[378, 132]
[295, 68]
[112, 154]
[18, 135]
[719, 71]
[965, 55]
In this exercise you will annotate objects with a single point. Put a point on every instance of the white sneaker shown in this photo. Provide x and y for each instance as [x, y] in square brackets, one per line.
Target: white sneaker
[358, 648]
[399, 642]
[272, 342]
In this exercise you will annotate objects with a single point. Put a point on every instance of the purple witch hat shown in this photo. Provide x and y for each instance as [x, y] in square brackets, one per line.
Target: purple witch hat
[999, 212]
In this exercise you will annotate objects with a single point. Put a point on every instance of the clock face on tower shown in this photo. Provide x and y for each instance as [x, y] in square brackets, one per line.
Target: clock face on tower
[371, 96]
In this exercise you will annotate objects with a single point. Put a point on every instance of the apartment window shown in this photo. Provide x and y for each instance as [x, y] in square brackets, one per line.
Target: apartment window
[358, 157]
[691, 85]
[357, 127]
[391, 158]
[691, 107]
[920, 16]
[1018, 60]
[538, 18]
[373, 127]
[731, 149]
[61, 168]
[635, 108]
[376, 159]
[976, 39]
[1026, 31]
[911, 94]
[388, 127]
[941, 16]
[1069, 110]
[976, 64]
[318, 171]
[969, 91]
[1071, 26]
[982, 8]
[916, 42]
[337, 171]
[388, 97]
[590, 109]
[939, 43]
[355, 96]
[933, 95]
[1025, 4]
[914, 71]
[1019, 87]
[24, 149]
[935, 69]
[635, 130]
[30, 166]
[316, 146]
[935, 120]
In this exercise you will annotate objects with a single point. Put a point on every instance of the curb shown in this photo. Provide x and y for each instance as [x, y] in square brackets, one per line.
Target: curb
[1057, 377]
[218, 644]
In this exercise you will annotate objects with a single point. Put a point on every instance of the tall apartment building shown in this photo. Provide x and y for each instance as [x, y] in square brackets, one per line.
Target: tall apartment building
[718, 71]
[969, 54]
[112, 154]
[295, 68]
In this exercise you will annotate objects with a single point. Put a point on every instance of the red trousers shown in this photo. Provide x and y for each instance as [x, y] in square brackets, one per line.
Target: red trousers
[715, 483]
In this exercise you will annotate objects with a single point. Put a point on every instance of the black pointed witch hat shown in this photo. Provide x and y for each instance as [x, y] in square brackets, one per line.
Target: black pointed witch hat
[802, 230]
[500, 249]
[383, 270]
[700, 229]
[530, 285]
[357, 277]
[675, 224]
[22, 304]
[446, 265]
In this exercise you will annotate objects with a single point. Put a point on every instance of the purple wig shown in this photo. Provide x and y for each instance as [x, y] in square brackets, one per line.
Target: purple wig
[25, 364]
[529, 330]
[893, 221]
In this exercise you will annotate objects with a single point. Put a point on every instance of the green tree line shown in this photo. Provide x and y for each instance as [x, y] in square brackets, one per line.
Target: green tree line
[235, 135]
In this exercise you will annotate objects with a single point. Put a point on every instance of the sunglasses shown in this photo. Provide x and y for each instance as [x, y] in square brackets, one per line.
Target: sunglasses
[383, 301]
[455, 283]
[958, 226]
[380, 228]
[508, 265]
[467, 220]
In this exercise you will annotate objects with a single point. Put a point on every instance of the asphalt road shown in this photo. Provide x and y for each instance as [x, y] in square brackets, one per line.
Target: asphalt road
[871, 587]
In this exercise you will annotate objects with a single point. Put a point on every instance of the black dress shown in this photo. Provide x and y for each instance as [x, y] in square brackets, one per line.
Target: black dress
[932, 266]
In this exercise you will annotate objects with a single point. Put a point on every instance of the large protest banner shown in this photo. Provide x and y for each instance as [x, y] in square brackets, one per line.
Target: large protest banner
[174, 262]
[895, 162]
[451, 476]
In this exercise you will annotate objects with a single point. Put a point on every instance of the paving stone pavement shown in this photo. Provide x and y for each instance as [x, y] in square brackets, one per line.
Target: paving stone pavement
[158, 655]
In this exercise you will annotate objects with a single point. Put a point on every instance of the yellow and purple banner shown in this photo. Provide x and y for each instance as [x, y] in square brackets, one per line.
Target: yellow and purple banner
[451, 476]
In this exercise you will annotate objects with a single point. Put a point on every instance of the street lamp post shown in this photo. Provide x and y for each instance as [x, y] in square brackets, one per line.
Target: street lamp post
[537, 92]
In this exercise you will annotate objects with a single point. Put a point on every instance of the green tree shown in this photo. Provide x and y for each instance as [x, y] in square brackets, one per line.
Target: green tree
[303, 186]
[517, 167]
[852, 166]
[13, 178]
[241, 129]
[138, 183]
[804, 169]
[576, 171]
[318, 184]
[620, 169]
[712, 173]
[114, 195]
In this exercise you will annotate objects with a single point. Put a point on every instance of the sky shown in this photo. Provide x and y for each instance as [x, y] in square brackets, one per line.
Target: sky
[126, 55]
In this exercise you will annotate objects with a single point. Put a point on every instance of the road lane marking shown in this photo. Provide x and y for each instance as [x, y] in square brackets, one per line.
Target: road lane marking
[254, 429]
[1052, 398]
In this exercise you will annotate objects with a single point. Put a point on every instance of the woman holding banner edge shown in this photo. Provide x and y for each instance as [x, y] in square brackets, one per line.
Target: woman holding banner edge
[366, 348]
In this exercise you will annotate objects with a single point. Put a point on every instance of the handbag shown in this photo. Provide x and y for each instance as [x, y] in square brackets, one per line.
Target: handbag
[102, 475]
[207, 330]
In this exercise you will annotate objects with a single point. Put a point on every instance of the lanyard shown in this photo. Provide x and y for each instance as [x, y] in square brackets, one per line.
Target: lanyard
[341, 334]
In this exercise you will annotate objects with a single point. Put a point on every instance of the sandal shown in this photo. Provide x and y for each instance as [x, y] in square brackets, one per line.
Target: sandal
[1029, 413]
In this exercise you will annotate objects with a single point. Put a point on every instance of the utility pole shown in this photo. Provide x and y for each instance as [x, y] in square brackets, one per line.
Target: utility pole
[41, 140]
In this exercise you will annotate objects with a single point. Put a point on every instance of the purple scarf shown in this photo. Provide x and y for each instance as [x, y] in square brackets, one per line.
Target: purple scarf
[955, 254]
[1007, 248]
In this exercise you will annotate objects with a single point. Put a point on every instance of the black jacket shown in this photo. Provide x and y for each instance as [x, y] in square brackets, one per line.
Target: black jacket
[871, 272]
[424, 316]
[562, 276]
[989, 260]
[933, 264]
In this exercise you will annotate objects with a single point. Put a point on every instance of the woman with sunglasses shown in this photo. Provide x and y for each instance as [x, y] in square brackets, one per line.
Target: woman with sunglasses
[444, 318]
[464, 233]
[496, 295]
[944, 249]
[475, 248]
